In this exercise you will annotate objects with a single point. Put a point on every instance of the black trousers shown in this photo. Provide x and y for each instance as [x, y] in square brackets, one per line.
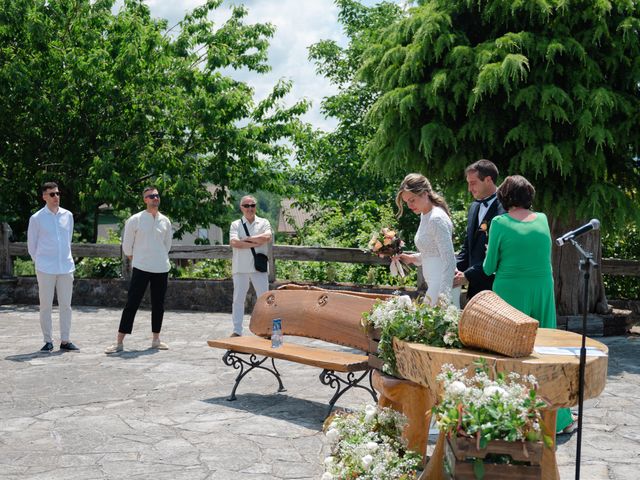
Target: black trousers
[139, 281]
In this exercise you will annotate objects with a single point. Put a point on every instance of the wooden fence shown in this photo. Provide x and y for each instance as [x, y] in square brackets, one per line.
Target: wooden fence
[8, 250]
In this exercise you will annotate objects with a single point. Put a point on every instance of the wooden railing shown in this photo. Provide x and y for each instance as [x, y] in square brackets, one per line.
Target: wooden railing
[8, 250]
[200, 252]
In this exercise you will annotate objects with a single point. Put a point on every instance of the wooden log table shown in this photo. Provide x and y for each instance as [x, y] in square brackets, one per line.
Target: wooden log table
[557, 376]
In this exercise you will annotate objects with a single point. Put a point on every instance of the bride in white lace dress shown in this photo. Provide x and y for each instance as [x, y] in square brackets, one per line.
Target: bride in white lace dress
[433, 238]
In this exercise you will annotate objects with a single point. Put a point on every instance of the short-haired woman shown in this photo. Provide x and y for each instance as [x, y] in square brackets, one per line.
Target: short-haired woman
[519, 253]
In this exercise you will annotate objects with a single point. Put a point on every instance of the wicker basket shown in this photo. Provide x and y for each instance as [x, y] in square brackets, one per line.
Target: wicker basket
[490, 323]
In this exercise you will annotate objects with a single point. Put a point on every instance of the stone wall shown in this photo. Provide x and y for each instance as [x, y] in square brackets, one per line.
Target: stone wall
[200, 295]
[7, 289]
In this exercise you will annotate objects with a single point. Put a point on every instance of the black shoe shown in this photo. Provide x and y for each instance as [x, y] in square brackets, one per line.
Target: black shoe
[68, 346]
[48, 348]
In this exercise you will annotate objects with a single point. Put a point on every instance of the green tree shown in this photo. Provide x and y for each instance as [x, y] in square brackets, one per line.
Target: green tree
[330, 174]
[546, 89]
[104, 103]
[330, 164]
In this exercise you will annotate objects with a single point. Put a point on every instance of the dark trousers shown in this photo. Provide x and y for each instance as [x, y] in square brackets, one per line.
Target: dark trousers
[139, 281]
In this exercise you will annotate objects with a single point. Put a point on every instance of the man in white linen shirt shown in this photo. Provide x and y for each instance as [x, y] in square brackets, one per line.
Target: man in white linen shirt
[242, 266]
[49, 242]
[146, 242]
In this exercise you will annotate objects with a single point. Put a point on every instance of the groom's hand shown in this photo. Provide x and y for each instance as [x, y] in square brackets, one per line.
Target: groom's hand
[459, 279]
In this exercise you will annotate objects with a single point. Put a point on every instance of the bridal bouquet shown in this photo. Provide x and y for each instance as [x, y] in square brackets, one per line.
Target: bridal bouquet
[387, 243]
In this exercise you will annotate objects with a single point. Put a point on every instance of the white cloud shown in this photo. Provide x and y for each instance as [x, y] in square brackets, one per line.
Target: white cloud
[299, 24]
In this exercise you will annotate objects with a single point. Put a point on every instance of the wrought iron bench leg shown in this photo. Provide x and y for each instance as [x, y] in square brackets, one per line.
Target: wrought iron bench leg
[235, 360]
[330, 378]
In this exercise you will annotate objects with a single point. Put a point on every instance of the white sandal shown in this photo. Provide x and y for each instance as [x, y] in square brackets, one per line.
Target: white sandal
[573, 426]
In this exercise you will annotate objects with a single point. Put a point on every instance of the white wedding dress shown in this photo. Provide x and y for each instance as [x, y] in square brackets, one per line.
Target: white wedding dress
[434, 242]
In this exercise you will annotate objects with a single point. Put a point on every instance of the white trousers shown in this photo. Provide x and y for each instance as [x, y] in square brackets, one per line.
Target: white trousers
[63, 285]
[260, 282]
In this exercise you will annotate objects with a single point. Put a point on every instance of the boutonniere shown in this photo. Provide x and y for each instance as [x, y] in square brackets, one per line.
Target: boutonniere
[484, 226]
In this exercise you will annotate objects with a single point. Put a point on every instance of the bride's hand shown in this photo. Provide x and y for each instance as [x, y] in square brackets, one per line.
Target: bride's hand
[404, 258]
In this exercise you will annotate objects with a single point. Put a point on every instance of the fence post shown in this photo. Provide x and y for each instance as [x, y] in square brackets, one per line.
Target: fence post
[6, 262]
[272, 263]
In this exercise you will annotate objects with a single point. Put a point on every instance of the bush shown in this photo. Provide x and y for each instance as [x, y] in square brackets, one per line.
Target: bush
[23, 267]
[623, 244]
[208, 268]
[99, 267]
[333, 272]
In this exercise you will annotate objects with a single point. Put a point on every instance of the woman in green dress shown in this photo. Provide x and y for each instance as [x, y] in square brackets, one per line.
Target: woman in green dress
[519, 253]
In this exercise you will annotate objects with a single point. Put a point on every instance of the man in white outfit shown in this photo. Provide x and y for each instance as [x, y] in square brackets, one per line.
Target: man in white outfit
[49, 242]
[257, 235]
[146, 243]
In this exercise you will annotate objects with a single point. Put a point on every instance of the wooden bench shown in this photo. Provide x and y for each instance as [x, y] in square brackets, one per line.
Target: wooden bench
[328, 315]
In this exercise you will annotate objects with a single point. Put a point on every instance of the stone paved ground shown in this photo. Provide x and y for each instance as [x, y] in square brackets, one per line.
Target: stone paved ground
[164, 415]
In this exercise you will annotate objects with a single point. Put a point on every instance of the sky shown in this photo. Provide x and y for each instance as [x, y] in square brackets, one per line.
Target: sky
[299, 24]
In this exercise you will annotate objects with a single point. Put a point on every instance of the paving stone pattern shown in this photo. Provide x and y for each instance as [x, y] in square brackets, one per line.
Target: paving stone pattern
[164, 415]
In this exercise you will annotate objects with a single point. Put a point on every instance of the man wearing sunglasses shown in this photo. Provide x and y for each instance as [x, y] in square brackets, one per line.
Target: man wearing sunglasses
[246, 233]
[146, 243]
[49, 242]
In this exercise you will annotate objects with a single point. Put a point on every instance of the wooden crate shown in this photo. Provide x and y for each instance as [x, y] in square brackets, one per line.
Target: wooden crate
[460, 453]
[374, 340]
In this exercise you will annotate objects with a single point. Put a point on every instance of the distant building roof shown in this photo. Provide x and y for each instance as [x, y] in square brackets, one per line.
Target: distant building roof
[288, 214]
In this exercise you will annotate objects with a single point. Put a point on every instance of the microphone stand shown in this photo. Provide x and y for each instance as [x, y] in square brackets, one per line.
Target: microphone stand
[585, 265]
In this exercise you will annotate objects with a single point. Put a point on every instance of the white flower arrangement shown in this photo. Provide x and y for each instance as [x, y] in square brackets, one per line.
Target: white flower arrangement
[368, 445]
[384, 312]
[506, 408]
[400, 317]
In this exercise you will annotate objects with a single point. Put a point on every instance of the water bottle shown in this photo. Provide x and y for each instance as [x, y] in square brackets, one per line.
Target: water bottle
[276, 333]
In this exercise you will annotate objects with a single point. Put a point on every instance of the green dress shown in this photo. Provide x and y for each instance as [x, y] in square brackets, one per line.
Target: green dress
[519, 253]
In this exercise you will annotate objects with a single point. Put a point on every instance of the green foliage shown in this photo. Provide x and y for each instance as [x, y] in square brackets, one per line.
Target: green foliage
[219, 269]
[330, 165]
[506, 407]
[105, 103]
[427, 325]
[625, 245]
[337, 225]
[23, 267]
[333, 272]
[400, 318]
[97, 267]
[546, 89]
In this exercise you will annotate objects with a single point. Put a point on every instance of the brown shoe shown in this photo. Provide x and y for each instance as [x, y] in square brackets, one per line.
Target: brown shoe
[234, 334]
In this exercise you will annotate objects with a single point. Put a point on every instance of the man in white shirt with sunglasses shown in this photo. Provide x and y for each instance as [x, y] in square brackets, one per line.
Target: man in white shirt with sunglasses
[49, 242]
[246, 233]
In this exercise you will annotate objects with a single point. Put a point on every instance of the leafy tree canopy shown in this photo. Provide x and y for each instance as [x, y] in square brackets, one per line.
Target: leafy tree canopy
[330, 165]
[105, 103]
[548, 89]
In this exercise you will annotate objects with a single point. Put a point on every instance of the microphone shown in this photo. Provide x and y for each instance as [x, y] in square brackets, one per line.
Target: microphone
[594, 224]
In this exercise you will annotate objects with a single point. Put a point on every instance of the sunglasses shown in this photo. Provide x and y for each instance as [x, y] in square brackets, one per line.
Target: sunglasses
[153, 195]
[249, 205]
[54, 194]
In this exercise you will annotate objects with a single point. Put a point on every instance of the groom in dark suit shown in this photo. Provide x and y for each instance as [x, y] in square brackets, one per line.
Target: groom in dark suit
[482, 177]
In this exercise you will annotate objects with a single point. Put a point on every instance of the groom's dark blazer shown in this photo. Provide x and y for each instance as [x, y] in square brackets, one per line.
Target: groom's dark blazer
[471, 256]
